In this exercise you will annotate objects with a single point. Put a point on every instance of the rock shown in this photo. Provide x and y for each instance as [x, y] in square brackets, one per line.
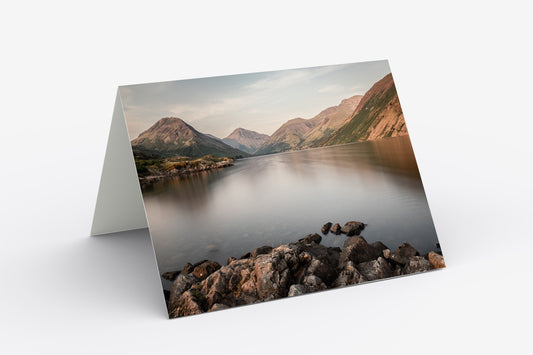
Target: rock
[182, 283]
[230, 260]
[314, 283]
[349, 276]
[387, 253]
[170, 275]
[187, 269]
[397, 271]
[272, 274]
[402, 254]
[297, 290]
[321, 270]
[379, 247]
[188, 305]
[326, 227]
[356, 249]
[352, 228]
[246, 256]
[375, 269]
[327, 255]
[336, 229]
[311, 238]
[304, 257]
[205, 269]
[416, 264]
[231, 284]
[261, 250]
[436, 261]
[218, 307]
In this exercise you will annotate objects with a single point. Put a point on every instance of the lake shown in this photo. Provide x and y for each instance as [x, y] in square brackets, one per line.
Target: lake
[275, 199]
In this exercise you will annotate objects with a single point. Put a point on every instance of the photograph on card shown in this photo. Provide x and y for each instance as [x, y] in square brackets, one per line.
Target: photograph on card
[278, 184]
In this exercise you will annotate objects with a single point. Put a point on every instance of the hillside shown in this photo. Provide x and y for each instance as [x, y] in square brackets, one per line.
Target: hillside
[302, 133]
[171, 136]
[245, 140]
[378, 115]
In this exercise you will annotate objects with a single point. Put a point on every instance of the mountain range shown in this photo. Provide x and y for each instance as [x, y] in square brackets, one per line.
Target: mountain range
[245, 140]
[171, 136]
[300, 133]
[374, 115]
[378, 115]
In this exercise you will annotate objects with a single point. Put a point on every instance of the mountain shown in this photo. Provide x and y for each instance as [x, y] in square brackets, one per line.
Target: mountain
[300, 133]
[171, 136]
[245, 140]
[330, 120]
[378, 115]
[212, 136]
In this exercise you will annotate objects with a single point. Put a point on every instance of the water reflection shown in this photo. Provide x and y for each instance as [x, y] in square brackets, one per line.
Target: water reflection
[275, 199]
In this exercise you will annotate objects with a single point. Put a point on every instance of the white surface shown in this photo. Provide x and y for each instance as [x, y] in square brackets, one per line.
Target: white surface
[463, 72]
[119, 206]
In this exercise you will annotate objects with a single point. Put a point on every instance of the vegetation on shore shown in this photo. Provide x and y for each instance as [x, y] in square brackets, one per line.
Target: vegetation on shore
[151, 168]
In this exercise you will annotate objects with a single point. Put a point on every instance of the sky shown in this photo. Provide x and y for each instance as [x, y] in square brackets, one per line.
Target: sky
[260, 102]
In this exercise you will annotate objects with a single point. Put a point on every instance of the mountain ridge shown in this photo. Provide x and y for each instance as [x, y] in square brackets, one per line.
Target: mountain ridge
[300, 133]
[171, 136]
[246, 140]
[378, 115]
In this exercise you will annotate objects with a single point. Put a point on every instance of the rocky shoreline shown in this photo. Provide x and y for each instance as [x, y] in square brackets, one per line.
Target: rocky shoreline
[291, 269]
[187, 169]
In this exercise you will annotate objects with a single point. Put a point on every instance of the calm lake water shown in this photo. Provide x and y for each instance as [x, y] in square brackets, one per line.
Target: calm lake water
[275, 199]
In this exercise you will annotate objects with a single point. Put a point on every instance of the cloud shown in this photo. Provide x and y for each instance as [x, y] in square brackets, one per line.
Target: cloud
[287, 78]
[331, 88]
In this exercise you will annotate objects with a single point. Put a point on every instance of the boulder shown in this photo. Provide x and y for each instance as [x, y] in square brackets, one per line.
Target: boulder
[187, 269]
[379, 247]
[188, 305]
[304, 257]
[231, 284]
[349, 276]
[182, 283]
[336, 229]
[325, 254]
[297, 290]
[170, 275]
[356, 249]
[272, 274]
[375, 269]
[402, 254]
[352, 228]
[311, 238]
[205, 269]
[436, 261]
[261, 250]
[230, 260]
[246, 256]
[326, 227]
[387, 253]
[416, 264]
[321, 270]
[314, 283]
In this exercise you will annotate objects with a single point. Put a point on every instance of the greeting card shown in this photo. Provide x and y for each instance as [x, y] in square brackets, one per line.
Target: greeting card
[261, 186]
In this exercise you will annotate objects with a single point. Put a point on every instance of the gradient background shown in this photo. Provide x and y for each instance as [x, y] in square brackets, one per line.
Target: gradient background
[463, 73]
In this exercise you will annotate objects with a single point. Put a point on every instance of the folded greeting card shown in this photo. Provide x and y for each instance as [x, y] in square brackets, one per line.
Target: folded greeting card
[268, 185]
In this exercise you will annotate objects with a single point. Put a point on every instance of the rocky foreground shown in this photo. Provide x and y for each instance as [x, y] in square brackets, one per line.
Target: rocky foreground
[290, 270]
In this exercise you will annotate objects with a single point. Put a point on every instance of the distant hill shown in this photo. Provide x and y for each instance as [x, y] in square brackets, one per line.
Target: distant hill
[378, 115]
[300, 133]
[171, 136]
[245, 140]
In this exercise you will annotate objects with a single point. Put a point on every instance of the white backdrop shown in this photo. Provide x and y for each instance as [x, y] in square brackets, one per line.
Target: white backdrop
[463, 73]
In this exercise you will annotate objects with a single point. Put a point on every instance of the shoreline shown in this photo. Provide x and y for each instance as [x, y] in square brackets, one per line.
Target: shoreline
[160, 174]
[291, 269]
